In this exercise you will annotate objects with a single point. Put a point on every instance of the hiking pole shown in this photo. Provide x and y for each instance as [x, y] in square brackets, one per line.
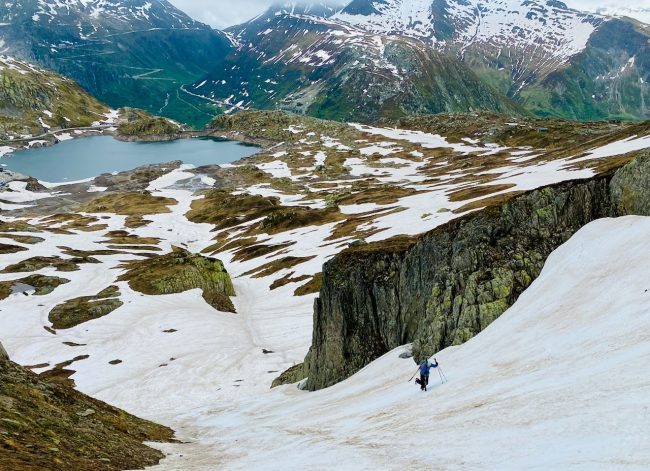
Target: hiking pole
[442, 381]
[442, 373]
[416, 372]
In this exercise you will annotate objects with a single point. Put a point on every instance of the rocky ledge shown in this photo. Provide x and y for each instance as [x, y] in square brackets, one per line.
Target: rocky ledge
[444, 287]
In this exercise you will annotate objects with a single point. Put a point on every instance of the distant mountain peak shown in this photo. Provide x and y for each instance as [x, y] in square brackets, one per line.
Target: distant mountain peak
[158, 13]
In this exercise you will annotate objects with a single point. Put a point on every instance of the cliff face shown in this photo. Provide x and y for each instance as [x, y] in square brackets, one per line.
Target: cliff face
[451, 283]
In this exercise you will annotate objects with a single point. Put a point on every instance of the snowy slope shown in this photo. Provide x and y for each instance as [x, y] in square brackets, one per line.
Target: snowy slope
[209, 378]
[551, 26]
[91, 16]
[558, 382]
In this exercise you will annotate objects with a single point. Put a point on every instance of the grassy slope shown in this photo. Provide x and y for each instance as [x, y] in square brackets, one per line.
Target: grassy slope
[51, 426]
[26, 91]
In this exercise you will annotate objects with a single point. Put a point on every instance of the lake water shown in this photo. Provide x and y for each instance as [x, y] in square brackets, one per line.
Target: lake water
[88, 157]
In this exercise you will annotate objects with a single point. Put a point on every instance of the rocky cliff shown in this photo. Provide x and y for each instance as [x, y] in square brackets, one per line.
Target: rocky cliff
[448, 285]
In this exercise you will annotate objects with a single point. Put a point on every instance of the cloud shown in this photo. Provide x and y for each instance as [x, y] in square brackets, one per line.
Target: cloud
[594, 5]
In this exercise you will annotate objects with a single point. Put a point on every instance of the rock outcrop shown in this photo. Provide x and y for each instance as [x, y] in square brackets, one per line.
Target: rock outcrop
[138, 125]
[180, 271]
[51, 426]
[451, 283]
[74, 312]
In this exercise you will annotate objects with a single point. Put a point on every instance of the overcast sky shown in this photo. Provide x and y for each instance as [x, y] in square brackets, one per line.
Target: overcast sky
[223, 13]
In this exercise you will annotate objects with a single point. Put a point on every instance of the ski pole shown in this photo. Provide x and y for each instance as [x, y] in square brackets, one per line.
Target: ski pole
[442, 373]
[416, 372]
[442, 381]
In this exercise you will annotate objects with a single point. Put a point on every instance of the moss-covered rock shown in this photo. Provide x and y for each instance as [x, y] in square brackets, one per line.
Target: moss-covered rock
[180, 271]
[292, 375]
[136, 204]
[52, 426]
[23, 239]
[140, 125]
[9, 248]
[42, 284]
[630, 187]
[38, 263]
[79, 310]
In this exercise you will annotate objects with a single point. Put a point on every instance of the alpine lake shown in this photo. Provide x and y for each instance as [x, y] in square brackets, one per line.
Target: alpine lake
[88, 157]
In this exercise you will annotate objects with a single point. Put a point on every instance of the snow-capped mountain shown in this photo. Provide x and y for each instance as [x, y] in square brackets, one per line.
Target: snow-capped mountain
[543, 55]
[125, 52]
[542, 35]
[97, 13]
[323, 8]
[311, 64]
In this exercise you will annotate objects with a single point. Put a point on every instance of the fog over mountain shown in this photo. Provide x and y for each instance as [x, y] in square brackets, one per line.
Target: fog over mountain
[224, 14]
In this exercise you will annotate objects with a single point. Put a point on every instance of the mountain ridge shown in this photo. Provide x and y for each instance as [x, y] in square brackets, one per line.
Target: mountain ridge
[125, 52]
[547, 58]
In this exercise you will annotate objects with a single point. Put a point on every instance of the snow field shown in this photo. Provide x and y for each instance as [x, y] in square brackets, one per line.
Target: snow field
[558, 382]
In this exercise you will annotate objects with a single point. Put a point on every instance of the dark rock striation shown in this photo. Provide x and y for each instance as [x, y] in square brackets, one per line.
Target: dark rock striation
[448, 285]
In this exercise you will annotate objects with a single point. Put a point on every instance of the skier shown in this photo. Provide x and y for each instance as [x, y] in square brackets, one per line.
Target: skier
[425, 367]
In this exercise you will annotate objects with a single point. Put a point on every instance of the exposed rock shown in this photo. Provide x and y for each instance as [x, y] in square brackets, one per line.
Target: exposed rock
[79, 310]
[41, 284]
[137, 179]
[138, 125]
[180, 271]
[60, 374]
[451, 283]
[8, 248]
[408, 353]
[136, 204]
[292, 375]
[52, 426]
[312, 286]
[23, 239]
[38, 263]
[630, 187]
[3, 354]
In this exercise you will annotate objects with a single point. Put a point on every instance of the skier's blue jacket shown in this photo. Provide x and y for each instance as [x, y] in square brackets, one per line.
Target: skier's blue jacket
[425, 366]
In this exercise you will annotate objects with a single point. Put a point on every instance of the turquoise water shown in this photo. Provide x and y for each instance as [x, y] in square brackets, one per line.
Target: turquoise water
[88, 157]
